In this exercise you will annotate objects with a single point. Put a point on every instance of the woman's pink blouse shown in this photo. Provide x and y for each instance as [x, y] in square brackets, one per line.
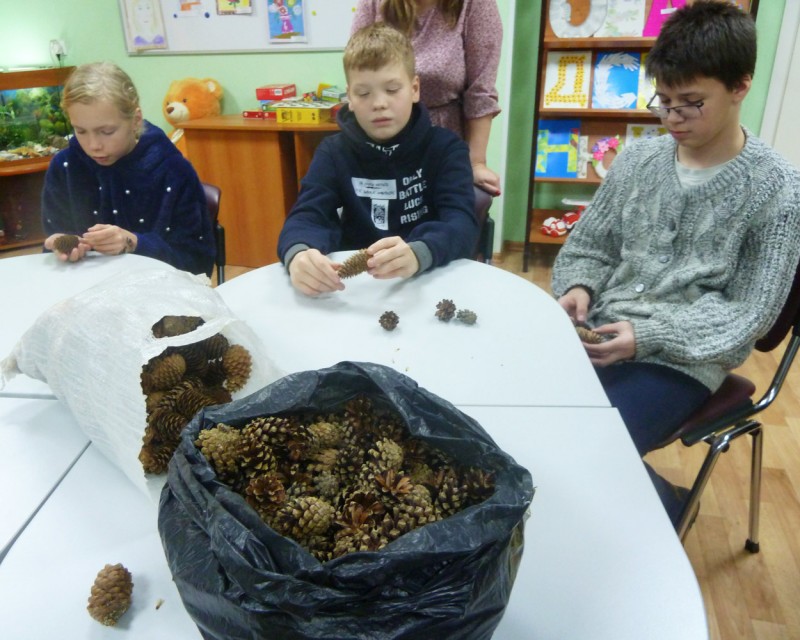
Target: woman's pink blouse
[457, 67]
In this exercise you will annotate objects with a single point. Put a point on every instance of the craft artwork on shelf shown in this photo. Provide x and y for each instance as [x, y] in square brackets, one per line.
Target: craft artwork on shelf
[647, 86]
[566, 80]
[616, 80]
[570, 19]
[660, 10]
[558, 149]
[624, 18]
[603, 153]
[635, 132]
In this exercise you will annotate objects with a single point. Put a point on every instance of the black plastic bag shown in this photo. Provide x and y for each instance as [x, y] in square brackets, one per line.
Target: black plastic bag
[239, 579]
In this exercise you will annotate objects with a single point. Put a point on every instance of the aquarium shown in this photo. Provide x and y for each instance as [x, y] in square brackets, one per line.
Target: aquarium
[32, 124]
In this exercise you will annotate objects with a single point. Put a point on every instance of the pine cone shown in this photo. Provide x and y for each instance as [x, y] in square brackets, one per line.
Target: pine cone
[167, 371]
[265, 493]
[386, 454]
[66, 243]
[190, 401]
[166, 424]
[588, 335]
[155, 457]
[445, 310]
[222, 445]
[304, 516]
[238, 364]
[111, 594]
[170, 326]
[355, 264]
[389, 320]
[215, 346]
[324, 435]
[466, 316]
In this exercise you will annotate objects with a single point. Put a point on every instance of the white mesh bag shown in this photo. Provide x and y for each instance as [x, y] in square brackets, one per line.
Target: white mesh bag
[91, 349]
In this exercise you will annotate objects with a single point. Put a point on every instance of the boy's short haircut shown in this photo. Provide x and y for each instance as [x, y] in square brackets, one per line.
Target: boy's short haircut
[376, 46]
[710, 38]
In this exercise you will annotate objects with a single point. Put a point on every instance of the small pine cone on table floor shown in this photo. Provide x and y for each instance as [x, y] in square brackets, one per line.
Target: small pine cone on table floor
[111, 594]
[445, 310]
[389, 320]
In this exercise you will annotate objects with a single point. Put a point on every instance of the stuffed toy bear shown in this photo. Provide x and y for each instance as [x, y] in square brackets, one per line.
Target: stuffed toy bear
[190, 99]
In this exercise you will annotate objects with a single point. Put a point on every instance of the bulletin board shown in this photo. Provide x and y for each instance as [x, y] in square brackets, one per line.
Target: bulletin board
[164, 27]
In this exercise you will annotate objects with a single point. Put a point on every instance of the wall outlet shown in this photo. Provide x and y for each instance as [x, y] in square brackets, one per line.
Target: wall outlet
[58, 49]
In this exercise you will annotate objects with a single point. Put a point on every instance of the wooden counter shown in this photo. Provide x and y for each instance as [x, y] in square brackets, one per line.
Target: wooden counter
[258, 165]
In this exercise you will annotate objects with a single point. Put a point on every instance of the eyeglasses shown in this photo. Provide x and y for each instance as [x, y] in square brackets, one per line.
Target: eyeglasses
[687, 111]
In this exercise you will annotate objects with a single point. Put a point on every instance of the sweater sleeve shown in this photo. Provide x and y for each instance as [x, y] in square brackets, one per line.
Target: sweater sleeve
[722, 326]
[593, 248]
[314, 219]
[56, 211]
[483, 39]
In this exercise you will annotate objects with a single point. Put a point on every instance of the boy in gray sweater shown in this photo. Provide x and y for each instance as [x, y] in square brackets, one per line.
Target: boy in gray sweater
[686, 254]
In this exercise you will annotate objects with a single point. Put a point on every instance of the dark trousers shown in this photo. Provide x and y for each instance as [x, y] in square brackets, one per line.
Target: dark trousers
[653, 401]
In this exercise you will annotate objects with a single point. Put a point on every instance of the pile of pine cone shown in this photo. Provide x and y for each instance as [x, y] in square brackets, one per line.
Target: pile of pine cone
[352, 480]
[181, 381]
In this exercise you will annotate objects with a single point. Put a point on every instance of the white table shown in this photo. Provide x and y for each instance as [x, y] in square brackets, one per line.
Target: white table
[33, 283]
[41, 442]
[94, 517]
[522, 351]
[600, 561]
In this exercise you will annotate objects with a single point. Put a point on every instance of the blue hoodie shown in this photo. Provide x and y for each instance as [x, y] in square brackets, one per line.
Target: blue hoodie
[153, 192]
[418, 186]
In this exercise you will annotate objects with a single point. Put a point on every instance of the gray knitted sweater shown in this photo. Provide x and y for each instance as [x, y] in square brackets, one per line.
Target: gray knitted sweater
[701, 272]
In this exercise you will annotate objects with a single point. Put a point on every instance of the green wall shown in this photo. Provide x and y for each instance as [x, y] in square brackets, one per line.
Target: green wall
[92, 30]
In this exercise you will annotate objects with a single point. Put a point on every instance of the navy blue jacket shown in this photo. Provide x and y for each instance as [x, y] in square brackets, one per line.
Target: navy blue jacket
[417, 185]
[153, 192]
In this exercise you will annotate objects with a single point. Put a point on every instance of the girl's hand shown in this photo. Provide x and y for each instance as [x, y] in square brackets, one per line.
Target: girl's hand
[110, 239]
[621, 346]
[73, 256]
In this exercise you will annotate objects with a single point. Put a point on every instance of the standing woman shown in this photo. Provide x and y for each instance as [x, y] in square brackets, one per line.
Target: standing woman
[457, 47]
[121, 186]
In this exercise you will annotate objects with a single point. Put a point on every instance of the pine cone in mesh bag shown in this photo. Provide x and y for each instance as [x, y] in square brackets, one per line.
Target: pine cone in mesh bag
[156, 456]
[238, 363]
[466, 316]
[111, 594]
[588, 335]
[445, 310]
[389, 320]
[167, 371]
[355, 264]
[170, 326]
[66, 243]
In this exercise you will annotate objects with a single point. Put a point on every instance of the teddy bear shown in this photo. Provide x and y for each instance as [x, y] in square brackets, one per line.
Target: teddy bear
[190, 99]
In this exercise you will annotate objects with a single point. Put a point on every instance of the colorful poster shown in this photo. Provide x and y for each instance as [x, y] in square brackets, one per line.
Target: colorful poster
[557, 145]
[624, 18]
[234, 7]
[660, 10]
[566, 80]
[189, 9]
[144, 27]
[287, 21]
[616, 80]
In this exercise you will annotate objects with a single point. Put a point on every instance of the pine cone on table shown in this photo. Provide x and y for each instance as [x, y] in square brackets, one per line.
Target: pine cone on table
[355, 264]
[445, 310]
[238, 364]
[466, 316]
[111, 594]
[389, 320]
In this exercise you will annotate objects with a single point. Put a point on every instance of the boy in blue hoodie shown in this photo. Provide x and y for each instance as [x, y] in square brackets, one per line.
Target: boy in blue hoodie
[390, 182]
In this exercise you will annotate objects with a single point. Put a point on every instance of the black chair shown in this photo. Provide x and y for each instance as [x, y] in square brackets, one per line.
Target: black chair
[485, 247]
[731, 412]
[213, 195]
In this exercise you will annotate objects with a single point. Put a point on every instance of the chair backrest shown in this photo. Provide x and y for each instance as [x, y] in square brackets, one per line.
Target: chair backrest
[789, 318]
[213, 195]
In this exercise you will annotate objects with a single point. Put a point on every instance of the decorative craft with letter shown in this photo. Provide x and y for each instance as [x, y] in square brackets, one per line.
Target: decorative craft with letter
[566, 81]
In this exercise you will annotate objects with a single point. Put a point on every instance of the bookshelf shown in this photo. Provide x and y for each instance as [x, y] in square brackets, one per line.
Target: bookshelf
[590, 95]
